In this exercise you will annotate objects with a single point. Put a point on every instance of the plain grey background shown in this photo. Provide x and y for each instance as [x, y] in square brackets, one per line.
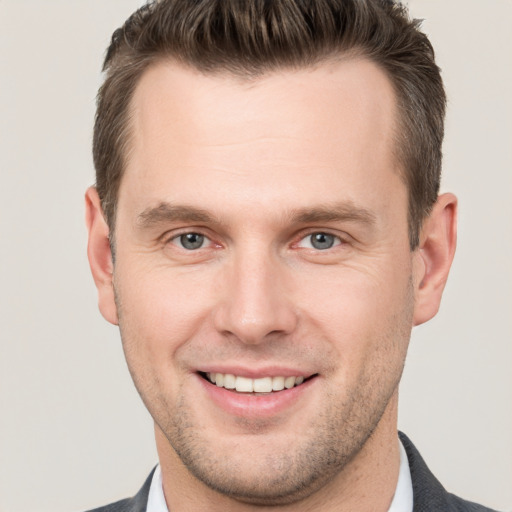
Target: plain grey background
[73, 432]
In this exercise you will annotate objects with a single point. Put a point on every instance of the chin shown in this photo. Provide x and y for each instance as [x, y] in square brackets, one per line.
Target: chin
[270, 468]
[280, 481]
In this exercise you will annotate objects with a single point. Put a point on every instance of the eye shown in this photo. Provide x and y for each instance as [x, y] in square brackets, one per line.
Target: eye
[191, 241]
[320, 241]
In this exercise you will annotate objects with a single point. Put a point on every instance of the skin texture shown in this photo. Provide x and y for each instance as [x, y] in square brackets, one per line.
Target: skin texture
[257, 168]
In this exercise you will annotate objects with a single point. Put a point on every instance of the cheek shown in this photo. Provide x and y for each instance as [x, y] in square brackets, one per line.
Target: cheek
[343, 293]
[160, 310]
[361, 313]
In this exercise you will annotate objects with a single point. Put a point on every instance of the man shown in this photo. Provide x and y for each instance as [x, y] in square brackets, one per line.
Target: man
[266, 230]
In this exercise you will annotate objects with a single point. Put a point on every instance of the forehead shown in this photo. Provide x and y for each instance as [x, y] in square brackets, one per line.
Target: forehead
[285, 134]
[181, 99]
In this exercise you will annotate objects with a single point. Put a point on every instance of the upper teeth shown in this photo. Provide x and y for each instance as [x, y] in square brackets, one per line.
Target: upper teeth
[246, 385]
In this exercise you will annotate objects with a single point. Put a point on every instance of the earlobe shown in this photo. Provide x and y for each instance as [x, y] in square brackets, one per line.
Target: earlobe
[100, 255]
[434, 257]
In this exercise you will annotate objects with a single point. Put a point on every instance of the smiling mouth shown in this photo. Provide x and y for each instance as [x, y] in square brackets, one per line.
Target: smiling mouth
[246, 385]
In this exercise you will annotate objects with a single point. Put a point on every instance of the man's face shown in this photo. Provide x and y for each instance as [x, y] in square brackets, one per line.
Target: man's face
[262, 234]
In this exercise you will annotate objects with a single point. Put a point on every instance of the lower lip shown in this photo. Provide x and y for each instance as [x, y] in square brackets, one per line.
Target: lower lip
[250, 405]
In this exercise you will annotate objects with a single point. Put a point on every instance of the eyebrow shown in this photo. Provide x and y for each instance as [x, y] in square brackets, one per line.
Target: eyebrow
[167, 212]
[345, 211]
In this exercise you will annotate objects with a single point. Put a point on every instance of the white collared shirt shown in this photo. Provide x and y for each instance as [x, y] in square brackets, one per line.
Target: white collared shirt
[156, 499]
[402, 500]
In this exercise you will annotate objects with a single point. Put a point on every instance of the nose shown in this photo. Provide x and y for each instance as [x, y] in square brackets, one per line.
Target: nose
[255, 304]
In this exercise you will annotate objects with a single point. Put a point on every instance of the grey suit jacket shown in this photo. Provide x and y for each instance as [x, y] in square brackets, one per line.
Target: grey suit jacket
[428, 494]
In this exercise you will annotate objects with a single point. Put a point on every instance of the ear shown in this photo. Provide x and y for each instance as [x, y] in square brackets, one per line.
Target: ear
[434, 257]
[100, 255]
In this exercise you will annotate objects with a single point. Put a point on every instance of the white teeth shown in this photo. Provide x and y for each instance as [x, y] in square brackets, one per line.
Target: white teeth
[263, 385]
[277, 383]
[229, 381]
[246, 385]
[289, 382]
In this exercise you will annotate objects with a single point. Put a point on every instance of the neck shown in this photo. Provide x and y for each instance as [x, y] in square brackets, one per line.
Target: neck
[366, 484]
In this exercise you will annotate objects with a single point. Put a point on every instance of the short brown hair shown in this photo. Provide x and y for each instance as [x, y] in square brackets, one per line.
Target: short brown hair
[251, 37]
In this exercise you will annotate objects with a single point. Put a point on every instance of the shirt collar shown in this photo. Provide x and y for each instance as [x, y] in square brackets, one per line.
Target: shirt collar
[402, 500]
[156, 499]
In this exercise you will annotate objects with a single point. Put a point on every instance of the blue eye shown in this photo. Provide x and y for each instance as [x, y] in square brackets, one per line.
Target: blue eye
[191, 241]
[320, 241]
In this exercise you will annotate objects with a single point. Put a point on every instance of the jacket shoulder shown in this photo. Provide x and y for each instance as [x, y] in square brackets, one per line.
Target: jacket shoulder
[136, 504]
[125, 505]
[428, 493]
[460, 505]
